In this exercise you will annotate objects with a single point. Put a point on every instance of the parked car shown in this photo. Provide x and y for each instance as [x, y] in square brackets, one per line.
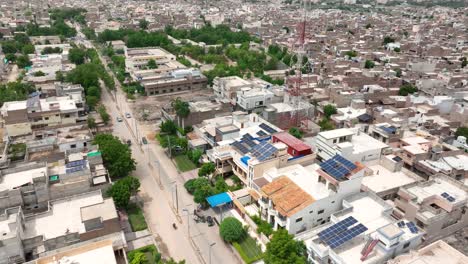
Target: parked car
[143, 139]
[119, 119]
[127, 115]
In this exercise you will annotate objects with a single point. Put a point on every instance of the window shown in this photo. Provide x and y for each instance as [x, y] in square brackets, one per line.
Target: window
[73, 146]
[85, 144]
[320, 211]
[298, 219]
[406, 245]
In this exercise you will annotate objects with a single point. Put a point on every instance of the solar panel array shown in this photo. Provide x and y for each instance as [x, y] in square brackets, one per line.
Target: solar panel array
[412, 227]
[261, 133]
[239, 146]
[248, 136]
[448, 197]
[401, 224]
[341, 226]
[389, 130]
[263, 151]
[74, 169]
[267, 128]
[347, 235]
[338, 167]
[75, 163]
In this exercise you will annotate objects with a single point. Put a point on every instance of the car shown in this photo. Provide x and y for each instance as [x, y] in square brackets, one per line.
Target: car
[144, 140]
[119, 119]
[127, 115]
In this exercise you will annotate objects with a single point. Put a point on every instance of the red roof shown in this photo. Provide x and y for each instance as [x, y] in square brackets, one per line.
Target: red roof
[291, 141]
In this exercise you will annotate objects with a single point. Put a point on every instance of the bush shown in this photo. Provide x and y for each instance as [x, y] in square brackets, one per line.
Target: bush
[369, 64]
[294, 131]
[231, 230]
[262, 226]
[407, 89]
[206, 169]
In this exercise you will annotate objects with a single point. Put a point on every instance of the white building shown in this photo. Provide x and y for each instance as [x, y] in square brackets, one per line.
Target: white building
[299, 198]
[350, 143]
[363, 232]
[438, 252]
[250, 99]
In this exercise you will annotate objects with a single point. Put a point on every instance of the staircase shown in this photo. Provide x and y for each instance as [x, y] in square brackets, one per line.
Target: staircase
[368, 249]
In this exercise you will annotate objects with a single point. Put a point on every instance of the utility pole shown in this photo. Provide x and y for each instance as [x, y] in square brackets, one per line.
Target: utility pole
[170, 149]
[188, 221]
[211, 245]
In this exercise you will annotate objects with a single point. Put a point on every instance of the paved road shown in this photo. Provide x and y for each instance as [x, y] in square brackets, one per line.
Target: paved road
[159, 180]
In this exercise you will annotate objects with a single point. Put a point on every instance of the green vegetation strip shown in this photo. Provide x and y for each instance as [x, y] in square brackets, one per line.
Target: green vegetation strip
[248, 250]
[184, 163]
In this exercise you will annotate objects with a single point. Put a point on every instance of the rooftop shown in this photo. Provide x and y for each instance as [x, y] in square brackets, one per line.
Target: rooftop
[438, 252]
[436, 187]
[383, 179]
[336, 133]
[17, 179]
[291, 141]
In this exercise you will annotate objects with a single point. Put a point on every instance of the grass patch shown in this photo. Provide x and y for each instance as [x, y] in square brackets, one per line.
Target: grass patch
[248, 250]
[136, 218]
[151, 253]
[184, 163]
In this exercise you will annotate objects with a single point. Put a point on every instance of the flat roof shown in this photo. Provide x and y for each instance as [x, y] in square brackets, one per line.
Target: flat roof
[292, 141]
[336, 133]
[15, 105]
[64, 215]
[363, 143]
[13, 180]
[385, 179]
[438, 252]
[438, 186]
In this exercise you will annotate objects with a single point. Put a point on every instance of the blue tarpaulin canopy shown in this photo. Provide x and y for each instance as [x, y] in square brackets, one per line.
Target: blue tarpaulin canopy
[219, 199]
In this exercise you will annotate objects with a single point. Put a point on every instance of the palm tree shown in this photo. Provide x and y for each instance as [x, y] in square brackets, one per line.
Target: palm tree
[182, 110]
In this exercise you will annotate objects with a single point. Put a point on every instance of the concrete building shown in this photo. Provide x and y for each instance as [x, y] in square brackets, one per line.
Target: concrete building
[350, 143]
[299, 198]
[438, 252]
[362, 232]
[22, 117]
[253, 99]
[177, 81]
[67, 221]
[137, 58]
[438, 206]
[414, 149]
[386, 133]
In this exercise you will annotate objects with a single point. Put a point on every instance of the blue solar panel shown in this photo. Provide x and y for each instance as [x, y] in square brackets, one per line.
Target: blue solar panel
[74, 169]
[346, 236]
[413, 229]
[401, 224]
[249, 142]
[261, 133]
[75, 163]
[267, 128]
[248, 136]
[450, 199]
[333, 230]
[348, 164]
[240, 147]
[410, 224]
[445, 195]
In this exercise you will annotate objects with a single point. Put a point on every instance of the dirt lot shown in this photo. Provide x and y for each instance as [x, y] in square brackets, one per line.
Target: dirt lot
[148, 108]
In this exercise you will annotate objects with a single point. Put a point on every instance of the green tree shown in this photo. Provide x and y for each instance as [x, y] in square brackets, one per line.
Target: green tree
[195, 155]
[351, 53]
[398, 72]
[116, 155]
[201, 193]
[91, 122]
[10, 57]
[462, 131]
[152, 64]
[23, 61]
[464, 62]
[9, 47]
[396, 49]
[329, 110]
[407, 89]
[325, 124]
[28, 49]
[369, 64]
[296, 132]
[284, 249]
[39, 74]
[143, 24]
[139, 258]
[388, 39]
[103, 113]
[92, 101]
[77, 55]
[206, 169]
[123, 189]
[231, 230]
[168, 127]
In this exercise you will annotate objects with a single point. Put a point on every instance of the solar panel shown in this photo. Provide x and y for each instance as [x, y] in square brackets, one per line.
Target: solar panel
[249, 142]
[450, 199]
[240, 147]
[401, 224]
[413, 229]
[346, 236]
[410, 224]
[267, 128]
[333, 230]
[75, 163]
[74, 169]
[348, 164]
[261, 133]
[247, 136]
[445, 195]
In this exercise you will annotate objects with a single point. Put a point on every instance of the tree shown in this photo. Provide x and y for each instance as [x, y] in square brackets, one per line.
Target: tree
[202, 192]
[9, 47]
[23, 61]
[369, 64]
[27, 49]
[116, 155]
[91, 122]
[168, 127]
[462, 131]
[329, 110]
[139, 258]
[397, 49]
[388, 39]
[407, 89]
[398, 72]
[284, 249]
[351, 53]
[195, 155]
[295, 132]
[77, 55]
[325, 124]
[39, 74]
[103, 113]
[123, 189]
[206, 169]
[143, 24]
[152, 64]
[10, 57]
[464, 62]
[231, 230]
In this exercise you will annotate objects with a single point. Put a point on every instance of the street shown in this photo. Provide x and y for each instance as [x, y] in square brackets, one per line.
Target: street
[189, 243]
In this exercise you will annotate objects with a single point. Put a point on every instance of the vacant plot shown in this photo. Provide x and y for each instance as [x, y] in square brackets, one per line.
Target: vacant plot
[184, 163]
[248, 250]
[136, 218]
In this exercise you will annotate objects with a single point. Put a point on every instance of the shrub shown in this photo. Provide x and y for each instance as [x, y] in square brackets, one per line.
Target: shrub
[231, 230]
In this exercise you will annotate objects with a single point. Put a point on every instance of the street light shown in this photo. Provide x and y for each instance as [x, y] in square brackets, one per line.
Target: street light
[188, 221]
[176, 197]
[211, 245]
